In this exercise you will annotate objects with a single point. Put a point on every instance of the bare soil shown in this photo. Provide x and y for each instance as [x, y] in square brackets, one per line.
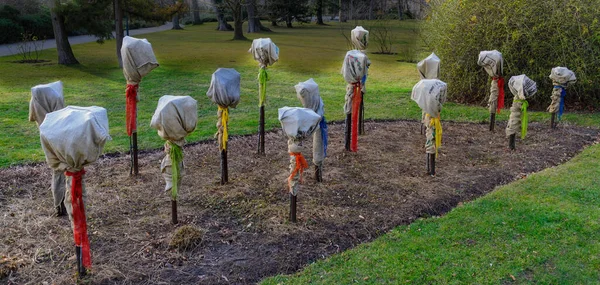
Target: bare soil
[247, 235]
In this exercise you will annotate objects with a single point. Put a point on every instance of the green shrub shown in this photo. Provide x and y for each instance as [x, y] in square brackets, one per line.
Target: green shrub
[10, 31]
[39, 25]
[533, 36]
[209, 19]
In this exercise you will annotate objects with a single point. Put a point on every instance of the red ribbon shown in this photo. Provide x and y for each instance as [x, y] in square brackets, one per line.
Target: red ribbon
[301, 164]
[79, 225]
[356, 100]
[131, 107]
[500, 104]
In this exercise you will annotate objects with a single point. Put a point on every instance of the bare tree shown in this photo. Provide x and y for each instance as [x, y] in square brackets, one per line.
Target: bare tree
[254, 24]
[236, 8]
[196, 12]
[319, 8]
[119, 35]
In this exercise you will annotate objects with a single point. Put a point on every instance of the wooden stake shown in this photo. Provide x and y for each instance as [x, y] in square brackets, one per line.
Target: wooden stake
[224, 174]
[348, 131]
[553, 121]
[174, 212]
[427, 162]
[318, 173]
[492, 121]
[261, 131]
[422, 128]
[432, 164]
[511, 142]
[292, 208]
[134, 154]
[361, 118]
[80, 269]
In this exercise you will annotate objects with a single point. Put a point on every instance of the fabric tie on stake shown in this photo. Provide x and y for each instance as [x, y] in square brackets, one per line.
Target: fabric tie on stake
[297, 123]
[561, 109]
[436, 124]
[131, 108]
[301, 165]
[224, 114]
[263, 77]
[79, 220]
[430, 94]
[176, 155]
[308, 93]
[500, 83]
[522, 88]
[138, 60]
[47, 98]
[524, 117]
[561, 78]
[493, 63]
[354, 69]
[224, 91]
[72, 138]
[174, 118]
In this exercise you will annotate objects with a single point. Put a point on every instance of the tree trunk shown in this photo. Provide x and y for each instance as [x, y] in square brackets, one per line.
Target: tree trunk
[351, 12]
[119, 30]
[320, 12]
[196, 12]
[371, 9]
[274, 23]
[176, 25]
[63, 47]
[288, 21]
[342, 16]
[222, 24]
[400, 12]
[238, 21]
[253, 20]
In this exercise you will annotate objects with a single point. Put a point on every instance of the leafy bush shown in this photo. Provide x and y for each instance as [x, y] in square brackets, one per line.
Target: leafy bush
[38, 24]
[9, 31]
[533, 36]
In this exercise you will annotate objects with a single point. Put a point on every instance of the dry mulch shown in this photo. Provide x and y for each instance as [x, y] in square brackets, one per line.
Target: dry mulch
[246, 232]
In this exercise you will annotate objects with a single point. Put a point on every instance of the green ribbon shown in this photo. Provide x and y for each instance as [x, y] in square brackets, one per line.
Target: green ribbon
[176, 154]
[262, 86]
[524, 117]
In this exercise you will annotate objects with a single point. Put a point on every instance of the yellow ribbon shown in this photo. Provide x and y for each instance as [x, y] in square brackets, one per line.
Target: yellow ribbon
[224, 120]
[436, 123]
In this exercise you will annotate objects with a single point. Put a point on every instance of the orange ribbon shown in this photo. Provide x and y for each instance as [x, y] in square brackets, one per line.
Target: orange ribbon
[79, 224]
[131, 108]
[301, 164]
[356, 100]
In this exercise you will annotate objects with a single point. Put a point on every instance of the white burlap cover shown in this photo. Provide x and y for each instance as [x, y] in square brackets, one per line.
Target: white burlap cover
[74, 137]
[138, 59]
[430, 94]
[492, 62]
[308, 93]
[360, 38]
[354, 66]
[522, 87]
[298, 123]
[264, 51]
[175, 117]
[562, 76]
[45, 98]
[224, 87]
[429, 68]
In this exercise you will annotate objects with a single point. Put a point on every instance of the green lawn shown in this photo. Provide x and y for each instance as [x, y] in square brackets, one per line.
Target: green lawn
[539, 230]
[189, 57]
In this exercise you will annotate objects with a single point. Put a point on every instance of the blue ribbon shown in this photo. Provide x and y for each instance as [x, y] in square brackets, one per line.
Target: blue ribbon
[364, 80]
[324, 135]
[561, 107]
